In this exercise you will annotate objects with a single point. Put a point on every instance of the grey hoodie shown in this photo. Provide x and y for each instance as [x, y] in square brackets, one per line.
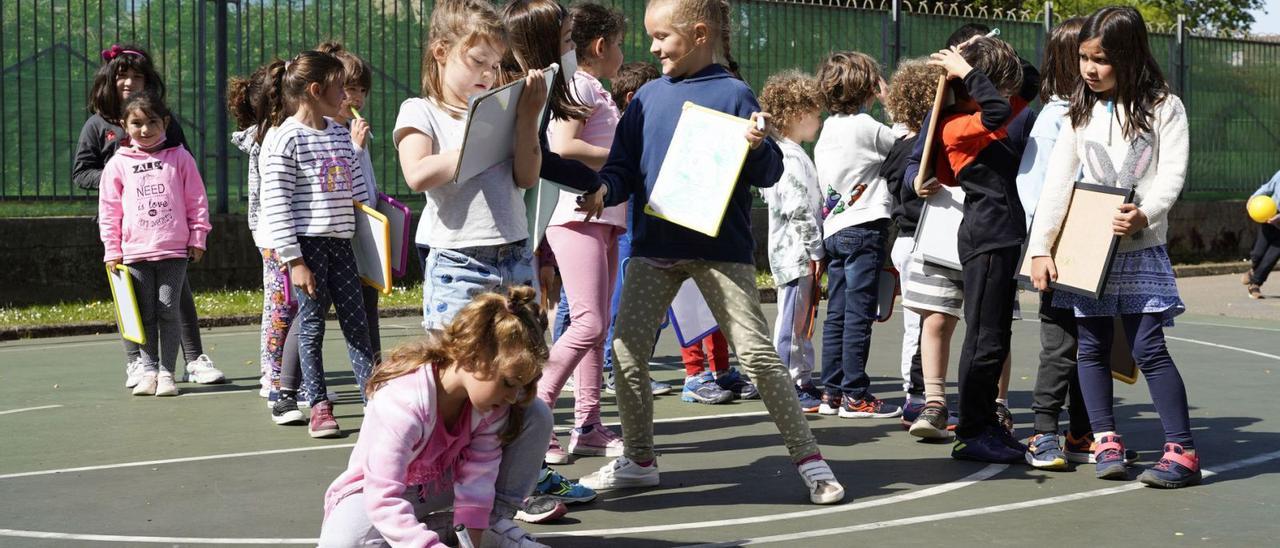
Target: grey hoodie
[244, 140]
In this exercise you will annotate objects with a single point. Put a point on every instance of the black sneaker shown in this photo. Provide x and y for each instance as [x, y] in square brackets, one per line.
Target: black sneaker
[285, 411]
[541, 509]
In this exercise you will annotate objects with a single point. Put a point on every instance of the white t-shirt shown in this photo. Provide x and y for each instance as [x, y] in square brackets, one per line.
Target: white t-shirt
[486, 210]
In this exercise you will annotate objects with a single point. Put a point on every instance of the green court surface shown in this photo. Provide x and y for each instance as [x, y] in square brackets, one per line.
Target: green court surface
[82, 462]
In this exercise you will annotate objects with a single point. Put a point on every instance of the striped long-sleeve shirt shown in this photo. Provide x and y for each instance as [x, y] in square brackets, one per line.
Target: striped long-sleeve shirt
[309, 178]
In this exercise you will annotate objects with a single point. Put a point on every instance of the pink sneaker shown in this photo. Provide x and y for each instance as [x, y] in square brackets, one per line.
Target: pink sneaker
[556, 455]
[323, 425]
[595, 442]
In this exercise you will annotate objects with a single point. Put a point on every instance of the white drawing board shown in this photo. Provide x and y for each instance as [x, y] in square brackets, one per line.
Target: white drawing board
[128, 315]
[399, 219]
[489, 137]
[372, 247]
[701, 169]
[690, 316]
[938, 227]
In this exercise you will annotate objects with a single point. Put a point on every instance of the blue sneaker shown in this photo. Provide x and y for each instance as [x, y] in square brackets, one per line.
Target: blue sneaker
[658, 388]
[552, 484]
[1044, 453]
[810, 398]
[911, 412]
[737, 385]
[1176, 469]
[1108, 459]
[985, 447]
[702, 389]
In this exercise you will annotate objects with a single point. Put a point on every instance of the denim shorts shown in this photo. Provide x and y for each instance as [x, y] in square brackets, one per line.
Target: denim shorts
[453, 277]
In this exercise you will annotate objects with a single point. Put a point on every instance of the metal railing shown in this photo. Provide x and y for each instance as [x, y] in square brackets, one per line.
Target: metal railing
[49, 52]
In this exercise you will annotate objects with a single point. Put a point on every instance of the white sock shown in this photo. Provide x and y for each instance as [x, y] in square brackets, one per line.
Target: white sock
[1097, 436]
[1003, 401]
[915, 399]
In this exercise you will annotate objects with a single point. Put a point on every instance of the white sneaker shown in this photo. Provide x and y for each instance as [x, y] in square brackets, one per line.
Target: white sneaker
[821, 482]
[622, 473]
[504, 533]
[265, 383]
[202, 371]
[132, 373]
[165, 385]
[146, 383]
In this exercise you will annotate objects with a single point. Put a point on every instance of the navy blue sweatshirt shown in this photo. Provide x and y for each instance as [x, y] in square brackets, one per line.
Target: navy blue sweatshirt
[640, 146]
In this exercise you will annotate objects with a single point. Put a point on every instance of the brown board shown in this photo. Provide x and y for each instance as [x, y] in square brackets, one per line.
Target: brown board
[930, 134]
[1123, 367]
[1085, 246]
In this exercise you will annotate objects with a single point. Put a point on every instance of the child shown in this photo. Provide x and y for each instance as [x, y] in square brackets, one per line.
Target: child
[1124, 116]
[855, 225]
[127, 69]
[910, 97]
[153, 216]
[450, 423]
[586, 252]
[310, 175]
[795, 229]
[243, 97]
[691, 39]
[1266, 248]
[978, 153]
[1056, 378]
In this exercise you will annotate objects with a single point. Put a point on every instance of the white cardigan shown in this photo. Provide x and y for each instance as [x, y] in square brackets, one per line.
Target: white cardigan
[1157, 185]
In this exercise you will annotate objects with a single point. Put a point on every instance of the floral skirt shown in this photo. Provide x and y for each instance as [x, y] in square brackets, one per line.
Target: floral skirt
[1140, 282]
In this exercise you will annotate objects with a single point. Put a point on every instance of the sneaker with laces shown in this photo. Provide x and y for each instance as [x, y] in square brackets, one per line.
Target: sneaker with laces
[323, 424]
[1043, 452]
[1247, 277]
[541, 509]
[552, 484]
[1004, 417]
[736, 384]
[821, 482]
[595, 440]
[1079, 449]
[830, 404]
[985, 447]
[622, 473]
[285, 411]
[868, 408]
[165, 387]
[555, 453]
[1007, 439]
[703, 389]
[146, 382]
[133, 373]
[1108, 457]
[202, 371]
[1254, 290]
[659, 388]
[932, 422]
[264, 386]
[1176, 469]
[505, 533]
[810, 398]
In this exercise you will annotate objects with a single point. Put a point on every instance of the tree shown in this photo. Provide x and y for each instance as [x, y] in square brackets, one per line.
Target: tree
[1219, 15]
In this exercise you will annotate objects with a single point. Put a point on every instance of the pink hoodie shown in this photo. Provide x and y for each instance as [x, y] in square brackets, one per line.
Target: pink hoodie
[401, 445]
[151, 205]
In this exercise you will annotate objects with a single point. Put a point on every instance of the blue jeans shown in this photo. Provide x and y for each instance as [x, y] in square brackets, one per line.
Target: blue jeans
[562, 317]
[624, 254]
[453, 277]
[856, 254]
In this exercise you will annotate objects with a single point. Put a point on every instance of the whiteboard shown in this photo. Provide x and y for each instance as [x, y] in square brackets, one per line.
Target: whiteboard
[372, 247]
[936, 234]
[489, 138]
[701, 169]
[128, 316]
[400, 219]
[691, 318]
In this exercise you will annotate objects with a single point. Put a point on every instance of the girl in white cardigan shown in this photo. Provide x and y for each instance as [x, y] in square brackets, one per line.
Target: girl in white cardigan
[1129, 131]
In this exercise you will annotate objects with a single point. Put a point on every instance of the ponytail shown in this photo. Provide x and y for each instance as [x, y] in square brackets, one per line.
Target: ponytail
[244, 95]
[285, 84]
[725, 34]
[270, 107]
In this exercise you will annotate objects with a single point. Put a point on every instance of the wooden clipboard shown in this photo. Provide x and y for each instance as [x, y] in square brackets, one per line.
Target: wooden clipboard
[701, 170]
[372, 248]
[128, 314]
[930, 134]
[1085, 246]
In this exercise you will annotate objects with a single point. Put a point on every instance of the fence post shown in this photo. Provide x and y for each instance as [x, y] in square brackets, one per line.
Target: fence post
[220, 91]
[1180, 66]
[1048, 18]
[897, 32]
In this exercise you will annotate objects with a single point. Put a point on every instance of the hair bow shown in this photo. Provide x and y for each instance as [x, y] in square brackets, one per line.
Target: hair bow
[115, 50]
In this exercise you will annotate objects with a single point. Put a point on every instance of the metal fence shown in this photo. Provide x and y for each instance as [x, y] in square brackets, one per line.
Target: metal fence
[49, 52]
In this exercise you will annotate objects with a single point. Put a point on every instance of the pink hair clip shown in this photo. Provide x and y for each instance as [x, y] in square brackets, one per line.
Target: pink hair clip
[115, 50]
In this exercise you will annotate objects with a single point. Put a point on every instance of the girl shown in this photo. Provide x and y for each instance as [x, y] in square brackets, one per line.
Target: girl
[586, 251]
[450, 422]
[691, 39]
[1123, 116]
[127, 69]
[153, 216]
[310, 174]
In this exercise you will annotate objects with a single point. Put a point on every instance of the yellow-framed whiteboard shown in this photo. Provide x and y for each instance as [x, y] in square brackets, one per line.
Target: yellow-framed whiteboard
[701, 169]
[128, 315]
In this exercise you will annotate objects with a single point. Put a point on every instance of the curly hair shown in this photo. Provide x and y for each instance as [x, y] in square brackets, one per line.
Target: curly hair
[912, 90]
[494, 335]
[847, 80]
[788, 96]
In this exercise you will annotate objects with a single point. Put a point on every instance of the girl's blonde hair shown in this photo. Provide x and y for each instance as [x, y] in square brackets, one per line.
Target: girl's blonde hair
[457, 24]
[715, 15]
[911, 92]
[789, 95]
[493, 336]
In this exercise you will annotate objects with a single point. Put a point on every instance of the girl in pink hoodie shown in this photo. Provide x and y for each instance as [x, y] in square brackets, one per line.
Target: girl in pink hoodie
[153, 216]
[450, 422]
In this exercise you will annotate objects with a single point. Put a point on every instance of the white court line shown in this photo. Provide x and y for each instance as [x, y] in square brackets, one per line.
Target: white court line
[1216, 345]
[155, 540]
[177, 460]
[29, 409]
[930, 518]
[239, 390]
[113, 340]
[566, 429]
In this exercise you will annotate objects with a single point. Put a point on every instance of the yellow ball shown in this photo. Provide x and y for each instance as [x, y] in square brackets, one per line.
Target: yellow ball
[1261, 208]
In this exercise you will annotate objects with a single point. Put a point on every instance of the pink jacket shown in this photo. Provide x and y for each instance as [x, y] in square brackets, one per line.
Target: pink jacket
[151, 205]
[402, 446]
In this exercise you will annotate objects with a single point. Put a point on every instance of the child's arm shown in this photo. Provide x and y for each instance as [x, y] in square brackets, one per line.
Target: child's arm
[763, 166]
[1171, 169]
[792, 192]
[473, 485]
[111, 213]
[527, 163]
[565, 142]
[359, 189]
[397, 428]
[621, 173]
[1055, 196]
[1269, 188]
[994, 111]
[424, 170]
[197, 202]
[87, 169]
[917, 152]
[278, 168]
